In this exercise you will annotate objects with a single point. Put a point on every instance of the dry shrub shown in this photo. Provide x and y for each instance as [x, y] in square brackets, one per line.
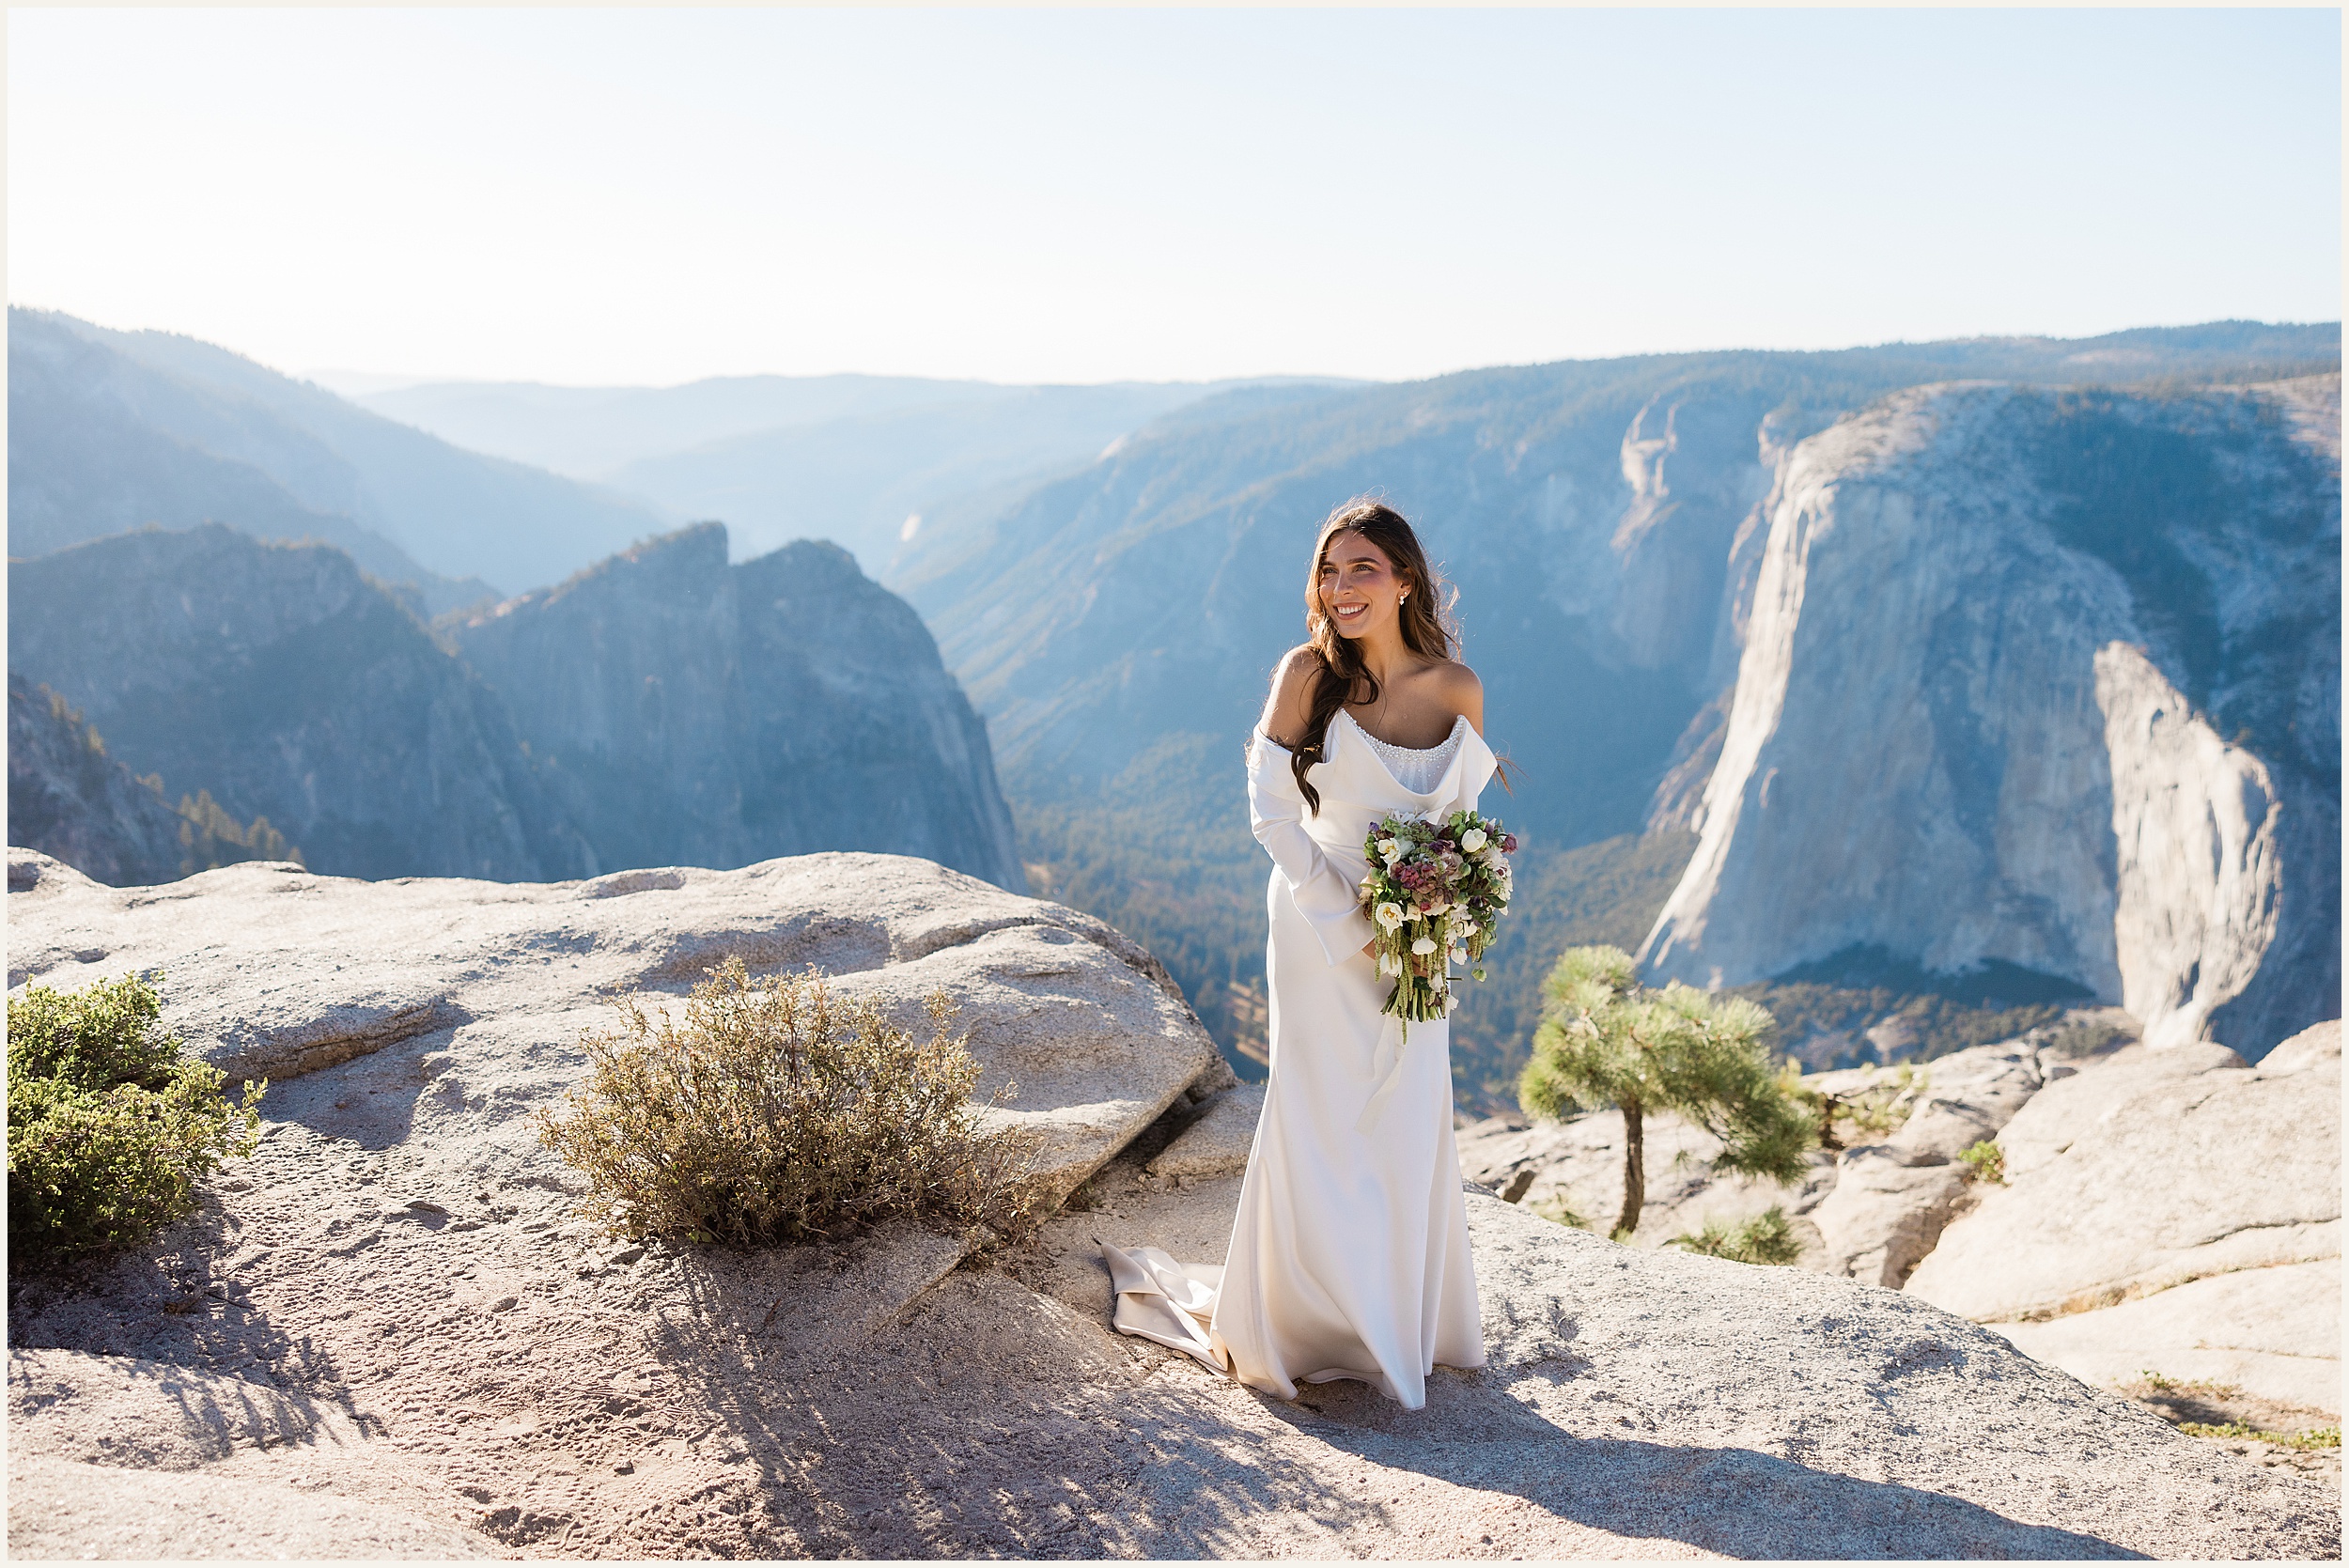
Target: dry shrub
[782, 1111]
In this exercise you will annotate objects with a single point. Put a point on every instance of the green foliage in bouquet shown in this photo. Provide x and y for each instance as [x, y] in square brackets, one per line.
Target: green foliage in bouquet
[782, 1111]
[110, 1127]
[1605, 1040]
[1766, 1237]
[1433, 894]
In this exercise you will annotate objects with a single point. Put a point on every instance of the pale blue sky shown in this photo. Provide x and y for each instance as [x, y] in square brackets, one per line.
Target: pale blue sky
[645, 196]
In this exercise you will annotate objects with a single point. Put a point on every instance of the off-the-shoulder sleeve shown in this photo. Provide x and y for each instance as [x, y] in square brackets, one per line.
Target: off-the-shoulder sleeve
[1276, 815]
[1476, 769]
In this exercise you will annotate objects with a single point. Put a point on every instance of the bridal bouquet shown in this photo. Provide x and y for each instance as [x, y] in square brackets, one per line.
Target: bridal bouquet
[1435, 892]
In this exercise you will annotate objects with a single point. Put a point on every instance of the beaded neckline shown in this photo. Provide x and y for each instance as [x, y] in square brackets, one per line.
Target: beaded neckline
[1458, 722]
[1417, 768]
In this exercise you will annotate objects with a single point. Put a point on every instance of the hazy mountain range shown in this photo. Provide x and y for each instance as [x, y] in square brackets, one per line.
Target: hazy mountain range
[457, 514]
[1112, 572]
[856, 460]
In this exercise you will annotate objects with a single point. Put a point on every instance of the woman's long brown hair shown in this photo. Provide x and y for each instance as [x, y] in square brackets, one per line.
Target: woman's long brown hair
[1425, 618]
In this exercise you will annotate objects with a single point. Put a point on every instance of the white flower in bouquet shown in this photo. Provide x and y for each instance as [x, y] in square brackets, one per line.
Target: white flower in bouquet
[1389, 850]
[1422, 947]
[1473, 840]
[1439, 908]
[1389, 964]
[1390, 915]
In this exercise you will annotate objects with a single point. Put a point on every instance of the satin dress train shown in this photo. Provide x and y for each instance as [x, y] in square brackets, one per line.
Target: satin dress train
[1349, 1254]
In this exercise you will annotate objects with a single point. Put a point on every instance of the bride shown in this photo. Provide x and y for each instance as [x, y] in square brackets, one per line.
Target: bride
[1350, 1255]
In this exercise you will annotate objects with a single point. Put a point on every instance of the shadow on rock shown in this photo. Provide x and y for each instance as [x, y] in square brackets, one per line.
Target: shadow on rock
[1734, 1501]
[993, 1422]
[172, 1305]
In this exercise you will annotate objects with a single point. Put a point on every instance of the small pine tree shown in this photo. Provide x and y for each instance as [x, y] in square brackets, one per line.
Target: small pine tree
[1605, 1040]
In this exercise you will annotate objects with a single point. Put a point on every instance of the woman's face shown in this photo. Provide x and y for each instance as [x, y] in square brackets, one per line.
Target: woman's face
[1360, 586]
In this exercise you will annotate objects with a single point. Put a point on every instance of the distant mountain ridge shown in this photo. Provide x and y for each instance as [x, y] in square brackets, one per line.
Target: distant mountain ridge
[857, 459]
[99, 443]
[455, 513]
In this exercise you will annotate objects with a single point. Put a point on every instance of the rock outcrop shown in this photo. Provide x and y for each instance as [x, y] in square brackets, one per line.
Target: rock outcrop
[2168, 1202]
[2045, 679]
[1219, 1141]
[277, 972]
[386, 1334]
[1891, 1201]
[2271, 1334]
[1868, 1212]
[1572, 1173]
[716, 715]
[295, 689]
[2172, 1214]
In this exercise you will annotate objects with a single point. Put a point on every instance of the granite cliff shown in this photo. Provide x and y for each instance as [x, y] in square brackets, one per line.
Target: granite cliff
[296, 688]
[662, 708]
[716, 715]
[2045, 680]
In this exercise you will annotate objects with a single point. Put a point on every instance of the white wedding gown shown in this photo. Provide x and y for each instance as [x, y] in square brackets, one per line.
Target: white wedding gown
[1349, 1254]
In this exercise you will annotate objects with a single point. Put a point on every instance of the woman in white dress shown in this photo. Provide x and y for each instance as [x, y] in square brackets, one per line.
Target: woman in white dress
[1349, 1254]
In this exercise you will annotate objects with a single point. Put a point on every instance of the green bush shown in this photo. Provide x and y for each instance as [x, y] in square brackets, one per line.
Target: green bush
[1766, 1238]
[782, 1112]
[1878, 1107]
[110, 1127]
[1985, 1163]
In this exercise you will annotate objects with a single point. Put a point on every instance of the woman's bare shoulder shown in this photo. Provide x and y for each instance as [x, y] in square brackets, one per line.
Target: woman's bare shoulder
[1289, 705]
[1456, 686]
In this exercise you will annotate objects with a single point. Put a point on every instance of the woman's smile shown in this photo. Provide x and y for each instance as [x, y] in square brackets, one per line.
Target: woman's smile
[1354, 578]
